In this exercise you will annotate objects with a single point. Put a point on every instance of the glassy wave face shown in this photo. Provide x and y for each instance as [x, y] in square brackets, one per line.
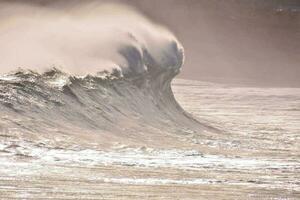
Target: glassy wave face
[133, 109]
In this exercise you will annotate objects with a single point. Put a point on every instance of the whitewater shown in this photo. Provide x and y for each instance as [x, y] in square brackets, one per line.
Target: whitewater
[100, 119]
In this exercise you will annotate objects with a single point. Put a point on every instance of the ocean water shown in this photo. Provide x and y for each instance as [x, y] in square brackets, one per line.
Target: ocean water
[113, 123]
[233, 142]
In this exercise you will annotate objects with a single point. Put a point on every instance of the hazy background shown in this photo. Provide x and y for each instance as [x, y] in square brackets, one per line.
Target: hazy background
[235, 41]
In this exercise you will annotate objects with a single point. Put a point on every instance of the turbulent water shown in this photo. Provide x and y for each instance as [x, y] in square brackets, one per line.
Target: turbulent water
[106, 124]
[110, 137]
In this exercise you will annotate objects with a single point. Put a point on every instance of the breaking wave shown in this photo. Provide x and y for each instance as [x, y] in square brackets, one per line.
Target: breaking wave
[136, 107]
[112, 78]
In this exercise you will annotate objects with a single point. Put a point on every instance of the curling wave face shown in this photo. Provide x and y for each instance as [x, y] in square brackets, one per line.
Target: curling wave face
[134, 110]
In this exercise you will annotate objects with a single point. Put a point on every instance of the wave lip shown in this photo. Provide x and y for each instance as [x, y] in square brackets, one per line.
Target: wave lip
[88, 39]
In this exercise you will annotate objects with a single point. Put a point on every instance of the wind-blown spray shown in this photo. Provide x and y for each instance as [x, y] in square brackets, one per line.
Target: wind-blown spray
[84, 39]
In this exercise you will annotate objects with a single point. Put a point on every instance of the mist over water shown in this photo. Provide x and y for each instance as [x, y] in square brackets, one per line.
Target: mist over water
[83, 39]
[234, 41]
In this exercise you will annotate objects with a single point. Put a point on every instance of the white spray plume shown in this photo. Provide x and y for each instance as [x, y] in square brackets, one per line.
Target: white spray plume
[84, 39]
